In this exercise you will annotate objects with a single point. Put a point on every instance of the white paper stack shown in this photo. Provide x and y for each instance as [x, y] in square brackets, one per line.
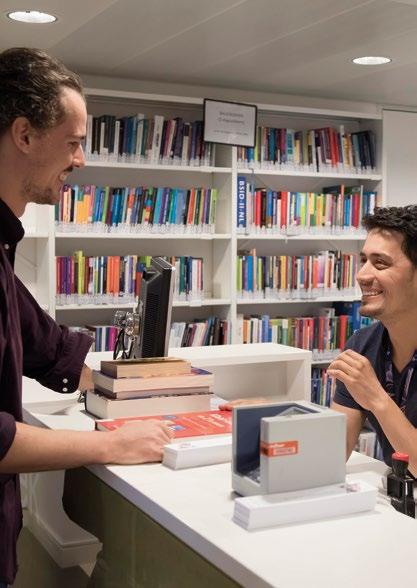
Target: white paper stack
[269, 510]
[198, 452]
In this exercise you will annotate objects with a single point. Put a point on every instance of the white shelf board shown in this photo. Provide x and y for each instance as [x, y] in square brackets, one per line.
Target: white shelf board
[320, 112]
[33, 234]
[203, 302]
[141, 96]
[105, 93]
[346, 298]
[241, 353]
[177, 236]
[94, 306]
[175, 304]
[308, 174]
[203, 169]
[303, 237]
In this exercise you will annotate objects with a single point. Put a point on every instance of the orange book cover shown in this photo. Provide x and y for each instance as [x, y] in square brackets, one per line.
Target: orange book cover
[191, 207]
[187, 424]
[109, 276]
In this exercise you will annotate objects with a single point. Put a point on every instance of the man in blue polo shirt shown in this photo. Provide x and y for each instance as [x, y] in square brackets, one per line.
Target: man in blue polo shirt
[377, 372]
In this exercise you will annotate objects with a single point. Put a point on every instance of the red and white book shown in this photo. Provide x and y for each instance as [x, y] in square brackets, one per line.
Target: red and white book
[201, 438]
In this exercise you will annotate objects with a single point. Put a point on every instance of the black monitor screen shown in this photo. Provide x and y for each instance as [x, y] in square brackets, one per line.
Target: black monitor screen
[154, 309]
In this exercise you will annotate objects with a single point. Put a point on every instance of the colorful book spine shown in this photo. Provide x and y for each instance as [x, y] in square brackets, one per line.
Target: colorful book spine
[336, 210]
[315, 150]
[141, 139]
[106, 209]
[114, 279]
[212, 331]
[287, 277]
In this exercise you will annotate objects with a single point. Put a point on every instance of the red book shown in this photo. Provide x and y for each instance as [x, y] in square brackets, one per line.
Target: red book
[343, 321]
[187, 424]
[284, 204]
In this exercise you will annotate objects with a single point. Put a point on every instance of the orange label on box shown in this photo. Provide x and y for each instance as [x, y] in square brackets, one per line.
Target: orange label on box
[279, 448]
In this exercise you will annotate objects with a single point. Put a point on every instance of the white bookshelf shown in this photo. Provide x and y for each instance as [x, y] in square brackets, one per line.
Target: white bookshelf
[36, 254]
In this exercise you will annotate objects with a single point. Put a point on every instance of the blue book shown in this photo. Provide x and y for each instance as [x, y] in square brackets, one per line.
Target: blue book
[164, 206]
[182, 207]
[271, 145]
[265, 329]
[241, 202]
[250, 273]
[158, 204]
[269, 209]
[100, 195]
[173, 207]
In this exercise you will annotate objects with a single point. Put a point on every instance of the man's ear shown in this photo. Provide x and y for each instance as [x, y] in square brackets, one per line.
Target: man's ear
[23, 134]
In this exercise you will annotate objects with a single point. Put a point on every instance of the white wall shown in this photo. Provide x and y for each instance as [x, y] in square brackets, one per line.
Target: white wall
[400, 157]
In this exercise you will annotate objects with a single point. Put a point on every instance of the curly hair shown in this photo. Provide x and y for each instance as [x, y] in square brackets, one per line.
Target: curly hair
[30, 85]
[402, 219]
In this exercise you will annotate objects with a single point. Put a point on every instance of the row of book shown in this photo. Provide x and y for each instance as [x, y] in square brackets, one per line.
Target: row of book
[336, 210]
[201, 332]
[212, 331]
[295, 276]
[142, 139]
[325, 335]
[328, 336]
[322, 386]
[140, 209]
[107, 279]
[323, 149]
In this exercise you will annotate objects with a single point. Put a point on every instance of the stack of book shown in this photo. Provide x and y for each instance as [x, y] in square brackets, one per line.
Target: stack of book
[148, 386]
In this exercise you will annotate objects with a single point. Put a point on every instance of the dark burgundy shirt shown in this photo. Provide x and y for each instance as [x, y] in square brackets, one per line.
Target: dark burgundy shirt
[33, 345]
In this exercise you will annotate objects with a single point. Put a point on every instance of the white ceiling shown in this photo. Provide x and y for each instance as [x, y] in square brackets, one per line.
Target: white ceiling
[300, 47]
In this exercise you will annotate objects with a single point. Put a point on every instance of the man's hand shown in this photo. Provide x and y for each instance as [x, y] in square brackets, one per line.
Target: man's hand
[359, 377]
[139, 442]
[86, 379]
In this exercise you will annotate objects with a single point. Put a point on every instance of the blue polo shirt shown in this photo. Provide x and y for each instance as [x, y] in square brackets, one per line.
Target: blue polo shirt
[372, 342]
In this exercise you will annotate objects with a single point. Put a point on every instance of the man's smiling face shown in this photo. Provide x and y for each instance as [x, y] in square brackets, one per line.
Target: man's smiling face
[56, 152]
[387, 277]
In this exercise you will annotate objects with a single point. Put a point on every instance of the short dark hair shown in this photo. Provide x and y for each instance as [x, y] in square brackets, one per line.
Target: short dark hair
[402, 219]
[31, 83]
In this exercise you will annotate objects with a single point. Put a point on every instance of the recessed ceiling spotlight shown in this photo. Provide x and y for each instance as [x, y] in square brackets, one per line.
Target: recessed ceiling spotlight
[32, 16]
[371, 60]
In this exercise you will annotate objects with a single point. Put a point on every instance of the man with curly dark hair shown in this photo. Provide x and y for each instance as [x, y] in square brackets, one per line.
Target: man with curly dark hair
[377, 372]
[42, 125]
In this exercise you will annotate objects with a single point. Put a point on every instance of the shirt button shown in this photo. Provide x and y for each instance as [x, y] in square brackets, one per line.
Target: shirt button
[65, 380]
[65, 389]
[6, 246]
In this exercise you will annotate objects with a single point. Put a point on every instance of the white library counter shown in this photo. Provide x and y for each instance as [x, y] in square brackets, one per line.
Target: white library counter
[196, 506]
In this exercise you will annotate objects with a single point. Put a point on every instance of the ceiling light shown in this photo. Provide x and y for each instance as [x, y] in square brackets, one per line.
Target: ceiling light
[32, 16]
[371, 60]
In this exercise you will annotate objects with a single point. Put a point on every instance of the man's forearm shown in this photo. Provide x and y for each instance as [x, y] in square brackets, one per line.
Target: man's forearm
[35, 449]
[400, 432]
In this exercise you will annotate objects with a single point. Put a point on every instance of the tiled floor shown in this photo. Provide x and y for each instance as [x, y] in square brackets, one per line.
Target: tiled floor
[38, 570]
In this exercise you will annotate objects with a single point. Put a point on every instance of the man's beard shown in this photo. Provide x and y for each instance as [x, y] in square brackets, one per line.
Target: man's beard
[38, 195]
[368, 313]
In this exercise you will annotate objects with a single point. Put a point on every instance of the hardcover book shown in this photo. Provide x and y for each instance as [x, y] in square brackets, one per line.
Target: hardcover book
[106, 408]
[150, 392]
[155, 385]
[145, 367]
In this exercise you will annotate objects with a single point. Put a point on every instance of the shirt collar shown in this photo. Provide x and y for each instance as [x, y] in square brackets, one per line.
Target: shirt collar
[11, 229]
